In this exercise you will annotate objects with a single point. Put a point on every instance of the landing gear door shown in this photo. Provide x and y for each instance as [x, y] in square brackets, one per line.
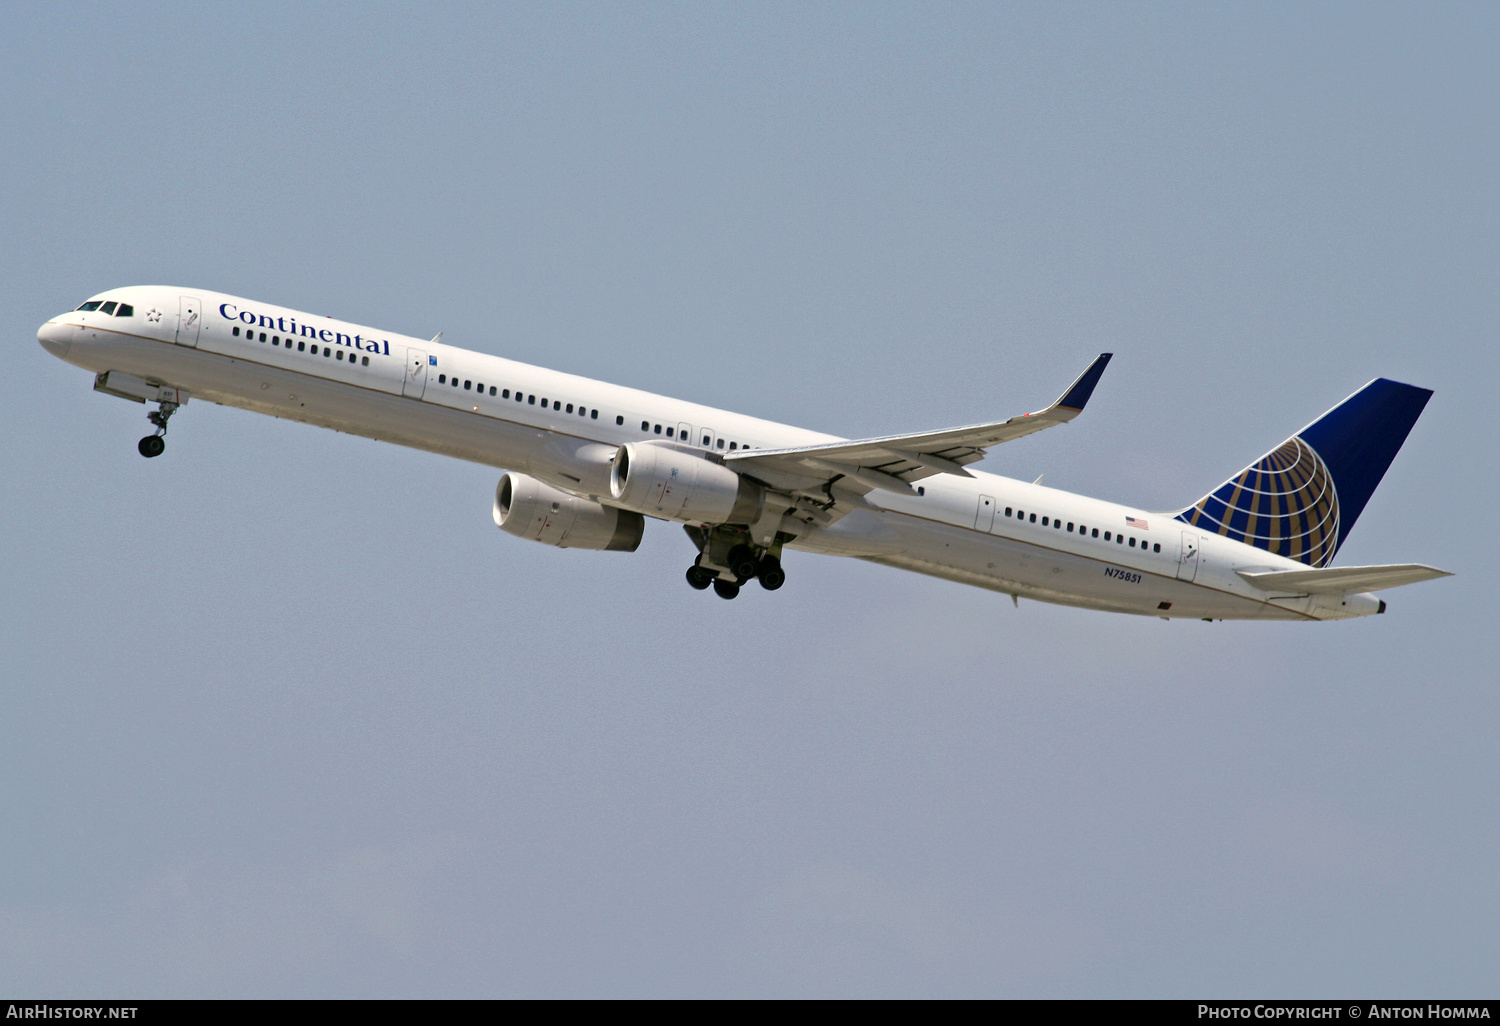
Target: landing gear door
[1187, 557]
[189, 320]
[415, 382]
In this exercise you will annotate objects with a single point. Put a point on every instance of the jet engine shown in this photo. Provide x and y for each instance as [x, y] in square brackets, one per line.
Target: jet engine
[527, 508]
[661, 480]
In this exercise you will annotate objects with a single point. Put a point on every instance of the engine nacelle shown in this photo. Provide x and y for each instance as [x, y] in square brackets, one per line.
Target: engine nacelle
[527, 508]
[661, 480]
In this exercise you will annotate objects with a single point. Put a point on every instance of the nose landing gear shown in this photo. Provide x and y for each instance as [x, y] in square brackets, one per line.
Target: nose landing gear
[154, 445]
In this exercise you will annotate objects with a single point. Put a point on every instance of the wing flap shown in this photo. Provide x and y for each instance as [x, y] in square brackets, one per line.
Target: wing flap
[1342, 580]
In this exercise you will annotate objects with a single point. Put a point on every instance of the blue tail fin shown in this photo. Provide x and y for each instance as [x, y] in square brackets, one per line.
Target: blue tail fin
[1302, 498]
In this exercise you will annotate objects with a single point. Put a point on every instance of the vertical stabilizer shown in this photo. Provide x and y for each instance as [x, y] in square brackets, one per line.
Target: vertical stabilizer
[1302, 498]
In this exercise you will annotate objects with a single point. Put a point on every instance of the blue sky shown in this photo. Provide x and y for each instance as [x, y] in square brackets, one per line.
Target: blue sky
[285, 715]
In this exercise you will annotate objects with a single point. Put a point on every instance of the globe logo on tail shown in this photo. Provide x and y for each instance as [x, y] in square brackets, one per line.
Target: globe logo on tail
[1284, 503]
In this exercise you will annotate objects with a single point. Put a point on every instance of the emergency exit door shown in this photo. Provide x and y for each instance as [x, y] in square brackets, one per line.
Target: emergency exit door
[984, 516]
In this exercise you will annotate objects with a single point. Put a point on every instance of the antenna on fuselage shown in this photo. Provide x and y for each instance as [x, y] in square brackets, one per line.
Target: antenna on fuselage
[436, 339]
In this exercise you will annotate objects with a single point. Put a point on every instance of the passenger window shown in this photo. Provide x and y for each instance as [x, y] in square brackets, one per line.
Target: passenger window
[467, 384]
[275, 340]
[1119, 539]
[263, 336]
[235, 331]
[569, 409]
[326, 351]
[126, 310]
[96, 303]
[1044, 521]
[1096, 533]
[1056, 525]
[454, 382]
[1007, 511]
[669, 432]
[300, 345]
[720, 443]
[731, 446]
[658, 429]
[364, 361]
[1070, 527]
[531, 400]
[442, 379]
[1033, 518]
[1156, 547]
[492, 390]
[108, 308]
[594, 415]
[479, 387]
[706, 441]
[1132, 543]
[556, 405]
[341, 354]
[544, 402]
[1106, 536]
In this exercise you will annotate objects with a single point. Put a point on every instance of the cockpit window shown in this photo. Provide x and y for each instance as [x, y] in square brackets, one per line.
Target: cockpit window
[125, 310]
[92, 304]
[108, 308]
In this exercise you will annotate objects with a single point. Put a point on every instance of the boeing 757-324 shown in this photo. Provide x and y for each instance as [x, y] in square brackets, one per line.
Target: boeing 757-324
[587, 463]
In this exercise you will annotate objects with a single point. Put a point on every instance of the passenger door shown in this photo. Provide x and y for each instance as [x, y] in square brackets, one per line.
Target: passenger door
[415, 382]
[1187, 557]
[189, 320]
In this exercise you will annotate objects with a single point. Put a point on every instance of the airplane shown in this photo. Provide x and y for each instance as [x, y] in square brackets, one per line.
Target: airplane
[586, 463]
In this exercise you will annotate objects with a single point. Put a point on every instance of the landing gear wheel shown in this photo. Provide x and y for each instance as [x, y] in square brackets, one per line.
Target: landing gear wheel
[699, 578]
[155, 445]
[742, 562]
[726, 589]
[771, 575]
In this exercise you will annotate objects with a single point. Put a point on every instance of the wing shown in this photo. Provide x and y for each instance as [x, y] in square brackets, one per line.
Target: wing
[1342, 580]
[893, 462]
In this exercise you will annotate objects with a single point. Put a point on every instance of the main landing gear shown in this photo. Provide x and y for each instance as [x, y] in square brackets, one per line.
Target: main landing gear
[728, 562]
[154, 445]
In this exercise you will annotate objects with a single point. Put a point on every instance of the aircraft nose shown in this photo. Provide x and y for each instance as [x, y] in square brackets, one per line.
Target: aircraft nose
[55, 337]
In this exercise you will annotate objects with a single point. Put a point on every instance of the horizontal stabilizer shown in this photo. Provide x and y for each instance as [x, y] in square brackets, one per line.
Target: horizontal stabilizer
[1342, 580]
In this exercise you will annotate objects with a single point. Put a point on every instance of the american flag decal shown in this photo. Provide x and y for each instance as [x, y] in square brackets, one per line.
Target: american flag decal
[1137, 523]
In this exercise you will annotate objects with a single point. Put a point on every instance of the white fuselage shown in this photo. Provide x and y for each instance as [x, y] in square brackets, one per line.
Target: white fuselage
[555, 427]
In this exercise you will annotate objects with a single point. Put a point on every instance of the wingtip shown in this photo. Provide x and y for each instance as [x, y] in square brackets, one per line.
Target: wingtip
[1077, 395]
